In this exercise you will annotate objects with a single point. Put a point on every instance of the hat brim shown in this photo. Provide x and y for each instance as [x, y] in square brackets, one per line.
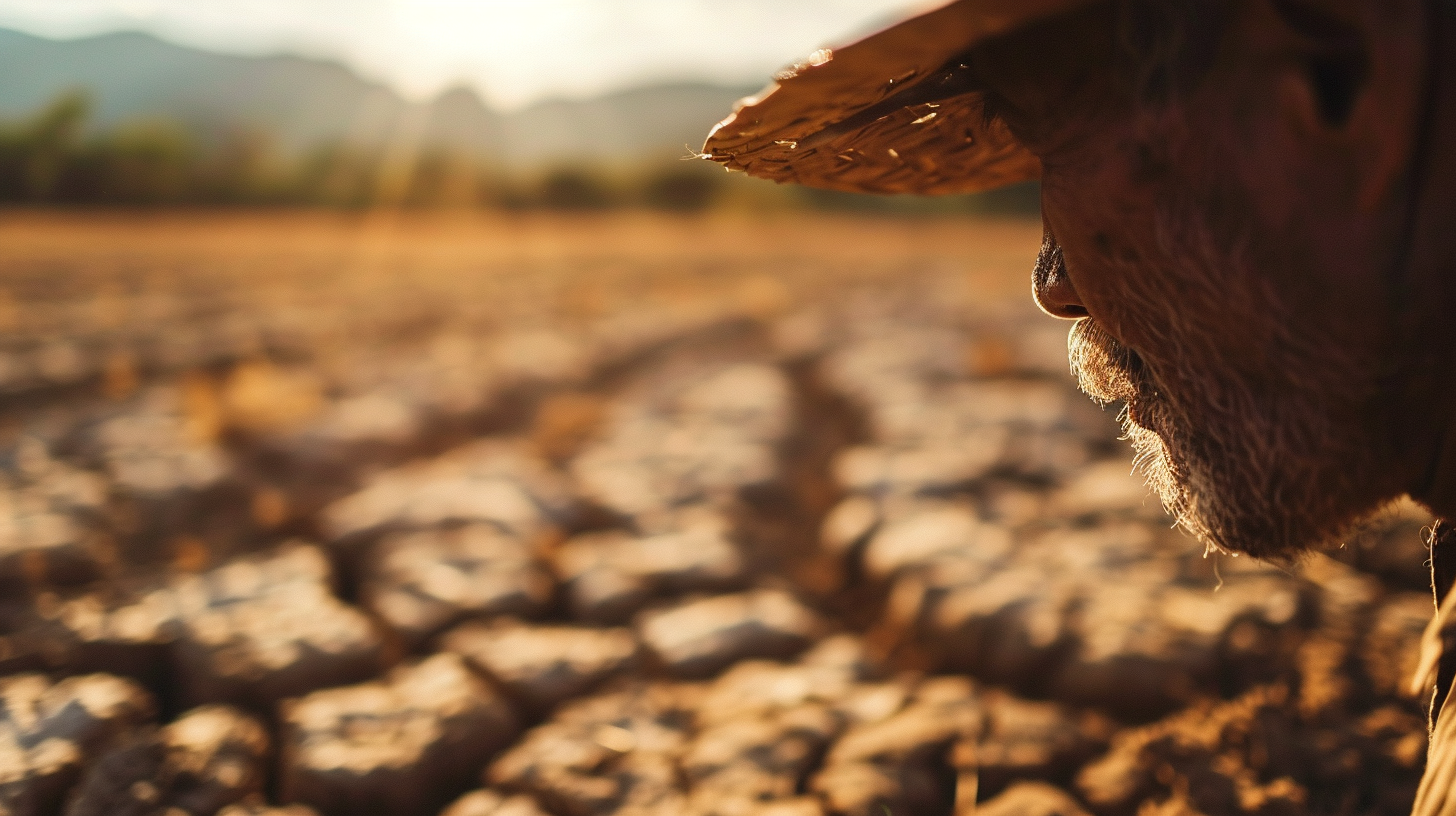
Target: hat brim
[888, 114]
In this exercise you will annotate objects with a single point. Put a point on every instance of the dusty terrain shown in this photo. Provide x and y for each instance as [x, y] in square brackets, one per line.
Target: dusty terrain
[624, 514]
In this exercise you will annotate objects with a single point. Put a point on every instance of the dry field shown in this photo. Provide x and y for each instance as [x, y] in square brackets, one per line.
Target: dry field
[732, 516]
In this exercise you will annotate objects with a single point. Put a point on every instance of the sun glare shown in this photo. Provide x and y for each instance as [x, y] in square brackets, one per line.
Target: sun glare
[513, 51]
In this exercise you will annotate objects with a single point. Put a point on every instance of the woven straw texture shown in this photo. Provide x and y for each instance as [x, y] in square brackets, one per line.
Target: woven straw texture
[826, 122]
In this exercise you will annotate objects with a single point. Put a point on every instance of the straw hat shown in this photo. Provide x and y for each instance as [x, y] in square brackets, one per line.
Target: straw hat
[892, 113]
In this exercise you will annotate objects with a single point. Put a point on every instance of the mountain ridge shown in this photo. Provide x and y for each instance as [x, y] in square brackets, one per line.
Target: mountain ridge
[304, 103]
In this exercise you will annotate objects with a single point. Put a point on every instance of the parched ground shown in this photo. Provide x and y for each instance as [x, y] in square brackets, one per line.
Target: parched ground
[767, 515]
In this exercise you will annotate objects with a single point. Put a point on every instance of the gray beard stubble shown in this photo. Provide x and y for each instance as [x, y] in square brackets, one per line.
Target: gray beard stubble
[1242, 471]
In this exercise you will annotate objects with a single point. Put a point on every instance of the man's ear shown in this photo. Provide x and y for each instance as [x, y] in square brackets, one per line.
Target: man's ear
[1363, 67]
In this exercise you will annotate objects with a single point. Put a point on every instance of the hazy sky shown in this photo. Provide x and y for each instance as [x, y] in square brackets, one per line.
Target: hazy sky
[513, 51]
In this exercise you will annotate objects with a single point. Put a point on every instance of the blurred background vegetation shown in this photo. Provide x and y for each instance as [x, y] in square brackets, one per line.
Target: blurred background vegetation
[58, 156]
[128, 119]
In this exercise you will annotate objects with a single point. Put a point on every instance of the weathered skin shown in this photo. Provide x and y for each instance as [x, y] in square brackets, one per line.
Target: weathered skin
[1234, 245]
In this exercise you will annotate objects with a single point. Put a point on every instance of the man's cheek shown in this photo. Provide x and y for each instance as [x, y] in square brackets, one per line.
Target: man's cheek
[1101, 266]
[1110, 295]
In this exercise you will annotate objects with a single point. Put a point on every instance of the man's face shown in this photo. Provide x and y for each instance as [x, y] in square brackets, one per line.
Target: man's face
[1254, 419]
[1231, 289]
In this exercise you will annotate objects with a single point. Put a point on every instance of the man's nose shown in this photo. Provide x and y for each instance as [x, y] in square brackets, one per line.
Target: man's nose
[1050, 284]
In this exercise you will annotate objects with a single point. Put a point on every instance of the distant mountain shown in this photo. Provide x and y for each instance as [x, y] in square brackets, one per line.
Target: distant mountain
[303, 102]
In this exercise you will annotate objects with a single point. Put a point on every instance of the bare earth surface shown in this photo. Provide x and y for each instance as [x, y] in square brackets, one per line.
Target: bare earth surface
[776, 516]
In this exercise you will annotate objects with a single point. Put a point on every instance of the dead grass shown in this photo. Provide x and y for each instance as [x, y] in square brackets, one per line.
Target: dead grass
[996, 254]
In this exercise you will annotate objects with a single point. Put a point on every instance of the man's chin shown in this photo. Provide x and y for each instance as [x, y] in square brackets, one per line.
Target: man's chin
[1217, 473]
[1220, 506]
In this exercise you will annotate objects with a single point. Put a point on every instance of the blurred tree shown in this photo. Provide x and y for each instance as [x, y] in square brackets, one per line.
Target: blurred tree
[683, 188]
[444, 178]
[244, 169]
[146, 162]
[1018, 199]
[574, 188]
[34, 154]
[337, 175]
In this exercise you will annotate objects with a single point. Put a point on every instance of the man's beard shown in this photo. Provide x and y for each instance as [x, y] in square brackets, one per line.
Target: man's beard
[1271, 477]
